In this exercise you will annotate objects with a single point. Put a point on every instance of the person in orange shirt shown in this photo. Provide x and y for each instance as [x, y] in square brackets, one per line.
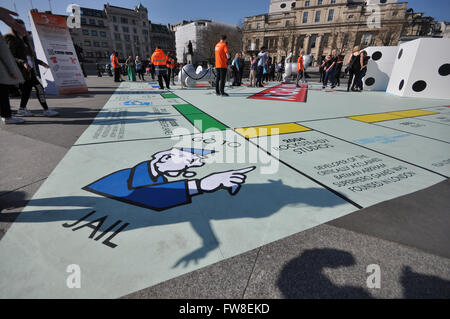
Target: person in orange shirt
[222, 55]
[116, 67]
[300, 68]
[159, 59]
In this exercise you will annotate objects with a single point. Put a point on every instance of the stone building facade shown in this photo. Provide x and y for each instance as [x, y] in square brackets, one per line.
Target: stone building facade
[128, 31]
[93, 37]
[318, 26]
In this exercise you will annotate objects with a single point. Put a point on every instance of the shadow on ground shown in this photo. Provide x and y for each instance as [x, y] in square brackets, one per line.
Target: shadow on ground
[303, 278]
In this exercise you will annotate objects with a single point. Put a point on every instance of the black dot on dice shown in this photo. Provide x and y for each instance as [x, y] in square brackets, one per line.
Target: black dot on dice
[444, 70]
[419, 86]
[377, 55]
[370, 81]
[400, 87]
[400, 54]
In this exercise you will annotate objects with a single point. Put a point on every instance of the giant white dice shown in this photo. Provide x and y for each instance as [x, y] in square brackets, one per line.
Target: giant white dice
[379, 67]
[422, 69]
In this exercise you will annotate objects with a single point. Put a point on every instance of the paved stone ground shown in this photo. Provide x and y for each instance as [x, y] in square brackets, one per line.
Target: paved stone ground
[407, 237]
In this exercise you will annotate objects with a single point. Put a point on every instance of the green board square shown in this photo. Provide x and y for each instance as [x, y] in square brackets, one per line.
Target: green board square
[169, 96]
[187, 109]
[205, 122]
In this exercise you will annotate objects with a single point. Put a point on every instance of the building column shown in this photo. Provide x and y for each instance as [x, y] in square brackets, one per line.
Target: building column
[306, 43]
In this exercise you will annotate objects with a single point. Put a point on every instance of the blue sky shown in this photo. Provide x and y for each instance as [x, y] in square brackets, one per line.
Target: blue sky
[171, 11]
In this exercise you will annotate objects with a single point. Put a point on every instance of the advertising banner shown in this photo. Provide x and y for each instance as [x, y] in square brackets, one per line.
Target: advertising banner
[54, 46]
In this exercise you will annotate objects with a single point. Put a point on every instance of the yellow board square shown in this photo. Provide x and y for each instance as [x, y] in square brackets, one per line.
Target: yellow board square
[267, 130]
[412, 113]
[372, 118]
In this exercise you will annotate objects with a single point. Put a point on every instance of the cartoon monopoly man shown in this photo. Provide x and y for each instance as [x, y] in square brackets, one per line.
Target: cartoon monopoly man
[146, 184]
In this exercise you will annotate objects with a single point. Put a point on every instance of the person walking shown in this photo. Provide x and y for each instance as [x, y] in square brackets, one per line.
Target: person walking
[222, 54]
[253, 66]
[99, 70]
[115, 66]
[131, 68]
[236, 70]
[171, 67]
[354, 68]
[159, 60]
[10, 73]
[339, 64]
[364, 59]
[261, 64]
[242, 66]
[140, 70]
[300, 68]
[330, 69]
[27, 62]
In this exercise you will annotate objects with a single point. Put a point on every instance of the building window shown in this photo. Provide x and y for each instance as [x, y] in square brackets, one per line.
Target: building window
[305, 17]
[258, 26]
[394, 14]
[373, 39]
[98, 54]
[313, 41]
[143, 23]
[293, 5]
[103, 34]
[94, 33]
[117, 36]
[333, 2]
[105, 44]
[366, 39]
[87, 43]
[83, 20]
[257, 44]
[114, 19]
[317, 18]
[326, 39]
[101, 23]
[283, 5]
[92, 21]
[330, 15]
[85, 32]
[133, 21]
[127, 37]
[345, 41]
[287, 23]
[96, 44]
[301, 41]
[136, 38]
[90, 54]
[134, 30]
[125, 29]
[319, 2]
[124, 20]
[306, 3]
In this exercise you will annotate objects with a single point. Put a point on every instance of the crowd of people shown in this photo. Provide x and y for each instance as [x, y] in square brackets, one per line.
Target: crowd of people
[18, 60]
[159, 65]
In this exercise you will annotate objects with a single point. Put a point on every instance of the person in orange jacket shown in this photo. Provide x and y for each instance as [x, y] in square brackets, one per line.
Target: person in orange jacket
[300, 68]
[116, 66]
[159, 59]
